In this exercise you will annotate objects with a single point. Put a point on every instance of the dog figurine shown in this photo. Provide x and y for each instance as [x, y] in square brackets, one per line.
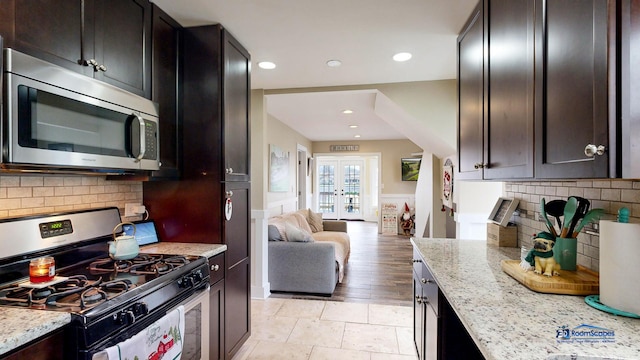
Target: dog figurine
[541, 256]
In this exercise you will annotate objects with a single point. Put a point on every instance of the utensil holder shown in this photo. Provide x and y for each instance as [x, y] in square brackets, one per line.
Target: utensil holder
[565, 253]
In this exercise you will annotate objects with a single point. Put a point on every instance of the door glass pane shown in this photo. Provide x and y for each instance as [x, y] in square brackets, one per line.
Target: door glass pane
[327, 187]
[351, 174]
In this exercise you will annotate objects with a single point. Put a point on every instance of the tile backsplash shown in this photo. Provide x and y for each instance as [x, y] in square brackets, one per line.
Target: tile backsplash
[33, 194]
[608, 194]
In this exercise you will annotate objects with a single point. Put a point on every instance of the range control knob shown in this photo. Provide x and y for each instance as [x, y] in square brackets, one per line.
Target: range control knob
[186, 282]
[196, 277]
[125, 317]
[140, 309]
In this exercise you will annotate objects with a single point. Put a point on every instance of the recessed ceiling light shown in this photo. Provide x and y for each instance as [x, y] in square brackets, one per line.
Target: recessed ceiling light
[334, 63]
[356, 136]
[267, 65]
[403, 56]
[353, 126]
[347, 111]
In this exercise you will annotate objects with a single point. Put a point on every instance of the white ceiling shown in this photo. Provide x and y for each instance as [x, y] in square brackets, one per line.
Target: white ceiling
[301, 35]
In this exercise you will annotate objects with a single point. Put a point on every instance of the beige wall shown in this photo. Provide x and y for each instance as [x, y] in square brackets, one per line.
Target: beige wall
[259, 147]
[34, 194]
[281, 135]
[392, 151]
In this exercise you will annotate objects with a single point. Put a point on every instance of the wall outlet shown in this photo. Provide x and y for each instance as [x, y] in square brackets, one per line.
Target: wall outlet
[133, 209]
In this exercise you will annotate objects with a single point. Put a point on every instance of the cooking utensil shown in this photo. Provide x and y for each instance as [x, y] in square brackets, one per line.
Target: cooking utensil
[543, 213]
[569, 211]
[555, 208]
[581, 211]
[124, 247]
[592, 216]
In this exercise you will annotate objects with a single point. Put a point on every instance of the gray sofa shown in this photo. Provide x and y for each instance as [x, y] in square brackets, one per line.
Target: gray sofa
[310, 267]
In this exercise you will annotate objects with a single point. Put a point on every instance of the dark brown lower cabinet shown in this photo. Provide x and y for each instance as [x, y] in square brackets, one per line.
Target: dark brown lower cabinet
[216, 321]
[50, 347]
[237, 313]
[216, 307]
[438, 333]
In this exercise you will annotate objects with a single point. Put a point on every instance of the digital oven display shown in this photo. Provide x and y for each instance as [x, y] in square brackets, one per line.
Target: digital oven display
[55, 228]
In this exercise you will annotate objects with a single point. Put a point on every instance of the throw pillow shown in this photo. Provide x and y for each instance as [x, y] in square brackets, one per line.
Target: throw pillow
[296, 234]
[279, 222]
[315, 221]
[274, 234]
[298, 220]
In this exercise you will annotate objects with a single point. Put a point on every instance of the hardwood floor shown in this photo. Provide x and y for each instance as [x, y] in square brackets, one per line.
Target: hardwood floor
[379, 270]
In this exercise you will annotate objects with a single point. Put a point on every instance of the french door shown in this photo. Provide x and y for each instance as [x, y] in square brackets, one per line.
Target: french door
[339, 188]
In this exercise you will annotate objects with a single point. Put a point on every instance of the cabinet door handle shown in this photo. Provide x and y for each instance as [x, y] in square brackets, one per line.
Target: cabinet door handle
[591, 150]
[416, 261]
[229, 170]
[426, 281]
[215, 267]
[101, 67]
[421, 299]
[480, 166]
[229, 193]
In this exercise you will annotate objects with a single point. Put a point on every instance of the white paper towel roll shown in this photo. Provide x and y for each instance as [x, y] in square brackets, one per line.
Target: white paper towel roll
[620, 265]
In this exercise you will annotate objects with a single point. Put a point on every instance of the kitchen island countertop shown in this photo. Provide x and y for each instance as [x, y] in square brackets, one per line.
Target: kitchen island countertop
[507, 320]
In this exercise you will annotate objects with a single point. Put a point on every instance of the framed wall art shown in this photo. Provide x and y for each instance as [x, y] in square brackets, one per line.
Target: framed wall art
[410, 168]
[278, 169]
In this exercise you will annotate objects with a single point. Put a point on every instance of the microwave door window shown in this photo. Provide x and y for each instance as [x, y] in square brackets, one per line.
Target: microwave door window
[52, 122]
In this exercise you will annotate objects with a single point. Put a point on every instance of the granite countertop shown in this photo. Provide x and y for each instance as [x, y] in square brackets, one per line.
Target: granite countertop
[171, 248]
[509, 321]
[21, 326]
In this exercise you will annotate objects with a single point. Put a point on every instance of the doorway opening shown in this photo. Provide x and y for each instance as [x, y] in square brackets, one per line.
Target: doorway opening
[347, 187]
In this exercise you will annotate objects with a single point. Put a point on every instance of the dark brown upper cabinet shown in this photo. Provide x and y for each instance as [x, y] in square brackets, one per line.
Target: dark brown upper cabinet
[471, 97]
[217, 129]
[107, 39]
[573, 89]
[495, 84]
[629, 88]
[509, 89]
[549, 90]
[166, 82]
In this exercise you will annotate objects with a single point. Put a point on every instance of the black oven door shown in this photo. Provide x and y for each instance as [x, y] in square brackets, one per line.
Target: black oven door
[194, 340]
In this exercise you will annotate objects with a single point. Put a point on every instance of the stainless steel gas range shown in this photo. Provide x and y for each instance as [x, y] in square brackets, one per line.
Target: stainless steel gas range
[109, 301]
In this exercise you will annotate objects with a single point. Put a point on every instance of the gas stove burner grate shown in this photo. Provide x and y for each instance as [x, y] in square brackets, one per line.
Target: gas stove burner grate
[76, 292]
[109, 265]
[141, 265]
[160, 268]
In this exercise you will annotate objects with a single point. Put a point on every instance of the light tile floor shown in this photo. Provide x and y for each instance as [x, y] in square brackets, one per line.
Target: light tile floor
[319, 330]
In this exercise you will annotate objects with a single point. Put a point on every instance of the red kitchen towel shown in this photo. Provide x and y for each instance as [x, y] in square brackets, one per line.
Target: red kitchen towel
[161, 340]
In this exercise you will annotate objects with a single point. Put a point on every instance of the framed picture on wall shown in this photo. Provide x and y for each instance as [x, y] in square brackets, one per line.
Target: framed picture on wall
[278, 169]
[410, 168]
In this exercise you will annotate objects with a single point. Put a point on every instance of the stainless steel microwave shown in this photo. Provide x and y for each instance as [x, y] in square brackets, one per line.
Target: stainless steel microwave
[56, 120]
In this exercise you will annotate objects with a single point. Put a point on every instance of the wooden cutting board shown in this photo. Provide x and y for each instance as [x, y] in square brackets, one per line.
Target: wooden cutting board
[580, 282]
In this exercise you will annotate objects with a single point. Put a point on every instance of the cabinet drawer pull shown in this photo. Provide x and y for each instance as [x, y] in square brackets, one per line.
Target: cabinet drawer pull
[215, 267]
[591, 150]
